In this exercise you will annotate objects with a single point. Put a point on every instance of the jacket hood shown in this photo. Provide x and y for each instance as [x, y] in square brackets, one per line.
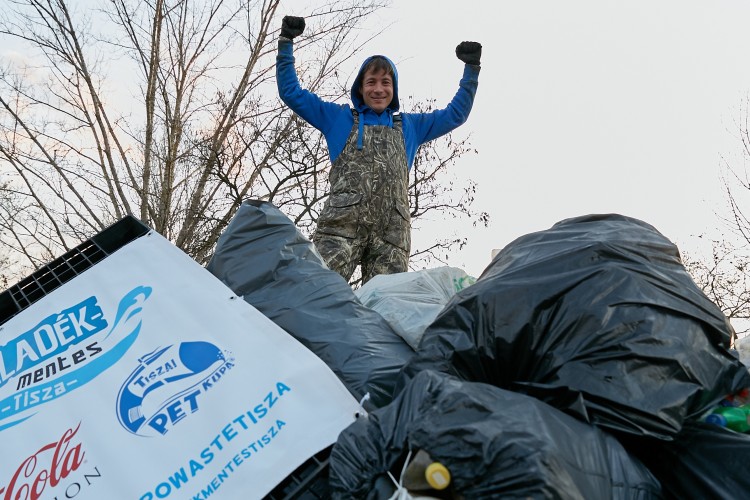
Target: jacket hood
[357, 98]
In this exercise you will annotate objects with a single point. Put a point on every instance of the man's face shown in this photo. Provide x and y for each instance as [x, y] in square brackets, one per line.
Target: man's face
[377, 89]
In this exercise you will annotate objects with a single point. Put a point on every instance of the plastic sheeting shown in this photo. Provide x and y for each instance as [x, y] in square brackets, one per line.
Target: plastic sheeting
[495, 443]
[596, 316]
[263, 258]
[411, 301]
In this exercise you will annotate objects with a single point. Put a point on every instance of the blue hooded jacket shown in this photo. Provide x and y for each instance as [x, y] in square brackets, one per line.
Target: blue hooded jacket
[335, 121]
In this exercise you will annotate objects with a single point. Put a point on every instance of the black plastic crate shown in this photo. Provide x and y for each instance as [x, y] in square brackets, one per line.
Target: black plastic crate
[63, 269]
[309, 481]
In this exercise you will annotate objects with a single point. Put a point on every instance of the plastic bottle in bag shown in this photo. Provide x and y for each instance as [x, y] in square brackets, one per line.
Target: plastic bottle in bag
[424, 473]
[736, 418]
[740, 398]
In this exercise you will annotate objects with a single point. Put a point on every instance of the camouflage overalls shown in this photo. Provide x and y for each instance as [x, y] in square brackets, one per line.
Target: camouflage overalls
[366, 217]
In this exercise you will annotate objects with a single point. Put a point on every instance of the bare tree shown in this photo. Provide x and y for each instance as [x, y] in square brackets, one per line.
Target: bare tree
[723, 278]
[724, 275]
[433, 191]
[167, 110]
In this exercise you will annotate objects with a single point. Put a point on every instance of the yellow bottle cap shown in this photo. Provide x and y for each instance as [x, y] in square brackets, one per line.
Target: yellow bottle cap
[437, 475]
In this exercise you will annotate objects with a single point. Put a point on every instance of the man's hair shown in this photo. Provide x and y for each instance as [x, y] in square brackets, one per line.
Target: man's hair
[377, 64]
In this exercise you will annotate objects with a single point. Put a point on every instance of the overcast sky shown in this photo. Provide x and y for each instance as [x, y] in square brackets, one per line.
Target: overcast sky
[583, 107]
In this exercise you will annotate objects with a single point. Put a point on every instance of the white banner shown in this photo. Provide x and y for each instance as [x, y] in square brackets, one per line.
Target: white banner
[146, 378]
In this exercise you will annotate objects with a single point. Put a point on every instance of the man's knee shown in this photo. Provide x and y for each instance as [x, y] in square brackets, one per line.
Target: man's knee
[338, 253]
[389, 259]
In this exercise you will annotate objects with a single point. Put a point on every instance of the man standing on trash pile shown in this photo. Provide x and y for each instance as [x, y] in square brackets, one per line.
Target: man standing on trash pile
[366, 218]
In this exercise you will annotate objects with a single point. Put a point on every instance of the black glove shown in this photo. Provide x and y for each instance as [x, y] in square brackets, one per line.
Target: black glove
[292, 26]
[469, 52]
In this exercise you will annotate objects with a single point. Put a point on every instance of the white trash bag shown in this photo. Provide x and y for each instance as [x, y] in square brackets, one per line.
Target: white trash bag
[410, 301]
[743, 348]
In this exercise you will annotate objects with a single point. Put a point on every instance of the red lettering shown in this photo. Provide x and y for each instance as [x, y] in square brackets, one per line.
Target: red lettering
[39, 483]
[65, 459]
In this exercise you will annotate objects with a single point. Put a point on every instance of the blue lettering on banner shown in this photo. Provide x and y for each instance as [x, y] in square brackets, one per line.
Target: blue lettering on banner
[47, 365]
[254, 419]
[172, 380]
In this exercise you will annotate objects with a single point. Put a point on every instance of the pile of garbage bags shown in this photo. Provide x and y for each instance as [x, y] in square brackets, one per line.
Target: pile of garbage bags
[595, 316]
[492, 441]
[579, 365]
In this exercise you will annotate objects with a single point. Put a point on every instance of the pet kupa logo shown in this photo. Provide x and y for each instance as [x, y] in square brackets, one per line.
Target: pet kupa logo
[64, 352]
[168, 385]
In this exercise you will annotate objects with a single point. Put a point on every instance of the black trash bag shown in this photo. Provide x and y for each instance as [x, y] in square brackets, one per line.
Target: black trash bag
[495, 443]
[263, 258]
[704, 461]
[596, 316]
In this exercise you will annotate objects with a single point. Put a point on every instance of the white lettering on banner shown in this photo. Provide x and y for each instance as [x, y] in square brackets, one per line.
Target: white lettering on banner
[50, 337]
[247, 421]
[33, 397]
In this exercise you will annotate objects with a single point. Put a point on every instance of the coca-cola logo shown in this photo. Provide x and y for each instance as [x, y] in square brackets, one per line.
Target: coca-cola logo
[44, 468]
